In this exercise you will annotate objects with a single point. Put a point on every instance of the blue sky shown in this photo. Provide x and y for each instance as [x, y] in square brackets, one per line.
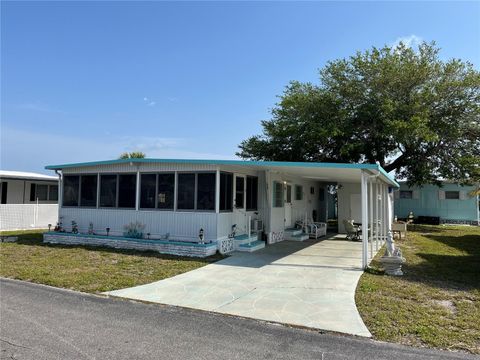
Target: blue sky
[86, 81]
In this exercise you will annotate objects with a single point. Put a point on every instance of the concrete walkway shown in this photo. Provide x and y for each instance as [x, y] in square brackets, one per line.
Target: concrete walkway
[310, 284]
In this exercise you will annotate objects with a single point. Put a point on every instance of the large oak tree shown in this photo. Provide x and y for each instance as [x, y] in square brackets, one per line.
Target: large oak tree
[404, 108]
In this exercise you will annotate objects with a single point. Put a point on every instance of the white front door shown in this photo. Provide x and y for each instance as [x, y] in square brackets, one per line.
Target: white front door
[288, 205]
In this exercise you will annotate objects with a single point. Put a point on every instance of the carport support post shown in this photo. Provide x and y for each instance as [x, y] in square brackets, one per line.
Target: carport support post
[376, 216]
[370, 215]
[364, 203]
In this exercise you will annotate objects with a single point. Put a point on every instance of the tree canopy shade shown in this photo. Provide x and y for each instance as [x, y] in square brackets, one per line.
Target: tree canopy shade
[132, 155]
[404, 108]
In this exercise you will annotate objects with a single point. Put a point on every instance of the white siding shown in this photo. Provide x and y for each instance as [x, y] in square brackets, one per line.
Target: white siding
[180, 225]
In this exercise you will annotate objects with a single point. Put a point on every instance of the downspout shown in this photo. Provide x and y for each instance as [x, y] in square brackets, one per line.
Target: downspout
[60, 192]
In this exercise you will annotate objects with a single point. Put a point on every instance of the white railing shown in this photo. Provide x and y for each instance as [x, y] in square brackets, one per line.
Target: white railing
[27, 216]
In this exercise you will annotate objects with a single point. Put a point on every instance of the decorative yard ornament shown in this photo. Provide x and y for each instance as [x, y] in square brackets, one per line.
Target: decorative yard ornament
[201, 235]
[49, 227]
[90, 228]
[392, 260]
[234, 230]
[74, 227]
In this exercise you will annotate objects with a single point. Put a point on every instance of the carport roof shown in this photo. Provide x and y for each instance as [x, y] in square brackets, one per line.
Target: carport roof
[307, 169]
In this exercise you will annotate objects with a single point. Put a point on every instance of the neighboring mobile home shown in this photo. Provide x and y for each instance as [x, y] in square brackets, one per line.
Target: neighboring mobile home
[28, 200]
[449, 204]
[177, 200]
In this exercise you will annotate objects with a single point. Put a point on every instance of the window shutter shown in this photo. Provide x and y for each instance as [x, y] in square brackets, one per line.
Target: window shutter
[416, 194]
[396, 194]
[441, 194]
[463, 195]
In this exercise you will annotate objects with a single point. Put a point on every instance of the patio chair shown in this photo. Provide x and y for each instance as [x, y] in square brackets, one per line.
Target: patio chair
[353, 232]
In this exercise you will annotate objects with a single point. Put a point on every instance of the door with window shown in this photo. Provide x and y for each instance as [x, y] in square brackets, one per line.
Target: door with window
[288, 205]
[239, 201]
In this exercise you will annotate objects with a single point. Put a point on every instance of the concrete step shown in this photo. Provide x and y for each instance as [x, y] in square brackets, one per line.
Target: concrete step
[244, 239]
[296, 237]
[251, 247]
[293, 232]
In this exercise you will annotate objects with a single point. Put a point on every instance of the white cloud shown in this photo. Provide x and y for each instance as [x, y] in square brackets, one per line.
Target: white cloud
[38, 106]
[410, 41]
[149, 102]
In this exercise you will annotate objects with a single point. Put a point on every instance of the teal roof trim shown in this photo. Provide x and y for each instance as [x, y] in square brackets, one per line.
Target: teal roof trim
[229, 162]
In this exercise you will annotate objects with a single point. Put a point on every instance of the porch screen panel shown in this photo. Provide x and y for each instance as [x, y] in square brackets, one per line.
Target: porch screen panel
[88, 190]
[206, 191]
[166, 191]
[252, 193]
[127, 185]
[70, 190]
[108, 190]
[239, 192]
[277, 194]
[226, 191]
[148, 184]
[186, 192]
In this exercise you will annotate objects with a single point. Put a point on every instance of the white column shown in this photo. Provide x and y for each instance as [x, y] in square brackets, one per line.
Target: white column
[376, 216]
[137, 191]
[370, 216]
[389, 211]
[364, 203]
[385, 213]
[217, 191]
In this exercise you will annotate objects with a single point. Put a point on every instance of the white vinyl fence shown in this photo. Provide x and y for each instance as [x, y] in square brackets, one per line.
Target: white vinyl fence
[27, 216]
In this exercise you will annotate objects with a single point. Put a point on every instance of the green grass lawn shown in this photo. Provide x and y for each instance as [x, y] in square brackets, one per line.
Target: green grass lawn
[88, 269]
[437, 302]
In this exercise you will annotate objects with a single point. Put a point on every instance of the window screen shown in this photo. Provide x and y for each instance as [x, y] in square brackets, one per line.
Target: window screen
[298, 192]
[406, 194]
[452, 195]
[226, 191]
[252, 193]
[277, 194]
[239, 192]
[53, 193]
[88, 190]
[71, 190]
[206, 191]
[166, 188]
[126, 190]
[148, 184]
[186, 192]
[108, 190]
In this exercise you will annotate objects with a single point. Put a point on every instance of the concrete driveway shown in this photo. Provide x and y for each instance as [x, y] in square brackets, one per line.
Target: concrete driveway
[309, 284]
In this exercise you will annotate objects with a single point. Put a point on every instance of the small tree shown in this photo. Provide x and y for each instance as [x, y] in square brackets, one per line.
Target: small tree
[132, 155]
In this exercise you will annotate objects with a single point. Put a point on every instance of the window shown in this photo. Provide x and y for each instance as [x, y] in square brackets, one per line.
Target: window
[4, 186]
[148, 184]
[406, 194]
[71, 190]
[166, 188]
[239, 192]
[88, 190]
[452, 195]
[312, 190]
[53, 193]
[127, 185]
[206, 191]
[289, 194]
[226, 191]
[252, 193]
[41, 192]
[298, 192]
[108, 190]
[277, 194]
[186, 192]
[321, 194]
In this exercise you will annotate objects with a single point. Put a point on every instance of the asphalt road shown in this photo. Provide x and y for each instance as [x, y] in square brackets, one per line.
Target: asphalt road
[40, 322]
